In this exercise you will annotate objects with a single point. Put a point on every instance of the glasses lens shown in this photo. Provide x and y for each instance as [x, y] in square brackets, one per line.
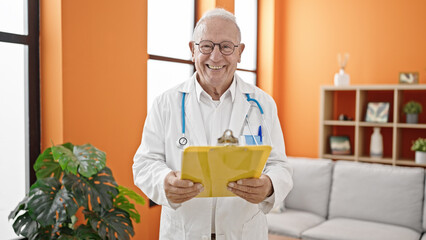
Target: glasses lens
[226, 48]
[206, 47]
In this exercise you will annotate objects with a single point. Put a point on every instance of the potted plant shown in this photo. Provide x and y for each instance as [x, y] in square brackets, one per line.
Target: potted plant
[420, 147]
[72, 178]
[412, 109]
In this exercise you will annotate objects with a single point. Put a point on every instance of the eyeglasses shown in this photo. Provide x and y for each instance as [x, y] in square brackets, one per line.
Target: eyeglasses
[225, 47]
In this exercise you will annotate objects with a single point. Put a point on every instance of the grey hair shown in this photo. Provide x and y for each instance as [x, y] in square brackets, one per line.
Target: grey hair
[215, 13]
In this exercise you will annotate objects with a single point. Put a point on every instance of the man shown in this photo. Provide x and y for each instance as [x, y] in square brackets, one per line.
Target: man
[214, 100]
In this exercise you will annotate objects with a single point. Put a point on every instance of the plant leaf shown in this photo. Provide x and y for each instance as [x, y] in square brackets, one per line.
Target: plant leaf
[87, 233]
[123, 191]
[84, 159]
[91, 159]
[49, 203]
[95, 190]
[66, 158]
[112, 224]
[46, 166]
[26, 226]
[124, 204]
[121, 201]
[22, 205]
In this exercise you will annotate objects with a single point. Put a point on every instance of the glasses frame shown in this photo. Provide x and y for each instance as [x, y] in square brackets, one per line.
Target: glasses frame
[218, 44]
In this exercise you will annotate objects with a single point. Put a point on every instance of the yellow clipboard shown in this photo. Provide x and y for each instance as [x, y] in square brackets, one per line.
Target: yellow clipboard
[216, 166]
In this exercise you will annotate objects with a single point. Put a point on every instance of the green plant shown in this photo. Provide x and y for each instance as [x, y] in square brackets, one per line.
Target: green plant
[419, 145]
[413, 107]
[69, 178]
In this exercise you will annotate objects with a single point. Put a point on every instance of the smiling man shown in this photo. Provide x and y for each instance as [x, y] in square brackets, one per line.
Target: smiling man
[197, 112]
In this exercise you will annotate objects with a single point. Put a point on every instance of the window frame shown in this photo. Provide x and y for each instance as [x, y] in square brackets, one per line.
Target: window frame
[33, 98]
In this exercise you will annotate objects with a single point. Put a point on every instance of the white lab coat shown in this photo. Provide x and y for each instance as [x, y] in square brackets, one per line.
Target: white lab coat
[158, 155]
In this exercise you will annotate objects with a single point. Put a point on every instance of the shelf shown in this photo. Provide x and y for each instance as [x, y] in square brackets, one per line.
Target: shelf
[340, 157]
[370, 124]
[339, 123]
[409, 163]
[352, 101]
[409, 125]
[376, 160]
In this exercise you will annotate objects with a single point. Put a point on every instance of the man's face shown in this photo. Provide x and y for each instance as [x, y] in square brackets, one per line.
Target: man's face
[216, 70]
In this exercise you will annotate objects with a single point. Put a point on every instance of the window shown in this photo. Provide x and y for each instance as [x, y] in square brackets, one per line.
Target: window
[168, 39]
[19, 103]
[168, 43]
[246, 14]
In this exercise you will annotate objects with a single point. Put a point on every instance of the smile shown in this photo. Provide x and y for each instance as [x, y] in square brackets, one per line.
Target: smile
[214, 67]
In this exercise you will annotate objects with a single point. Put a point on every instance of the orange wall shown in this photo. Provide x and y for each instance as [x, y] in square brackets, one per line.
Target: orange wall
[93, 78]
[383, 38]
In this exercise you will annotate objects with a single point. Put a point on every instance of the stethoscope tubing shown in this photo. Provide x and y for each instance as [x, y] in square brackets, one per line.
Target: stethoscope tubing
[249, 99]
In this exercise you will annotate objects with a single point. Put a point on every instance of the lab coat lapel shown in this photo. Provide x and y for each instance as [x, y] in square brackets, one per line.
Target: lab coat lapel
[239, 110]
[196, 130]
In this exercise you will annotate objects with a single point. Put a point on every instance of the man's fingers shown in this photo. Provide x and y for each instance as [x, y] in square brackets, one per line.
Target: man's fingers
[178, 190]
[252, 182]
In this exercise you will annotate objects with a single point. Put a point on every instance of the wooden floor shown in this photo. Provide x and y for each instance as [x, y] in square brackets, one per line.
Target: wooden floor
[276, 237]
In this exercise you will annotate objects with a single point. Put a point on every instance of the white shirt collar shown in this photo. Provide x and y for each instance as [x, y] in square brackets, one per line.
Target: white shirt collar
[199, 90]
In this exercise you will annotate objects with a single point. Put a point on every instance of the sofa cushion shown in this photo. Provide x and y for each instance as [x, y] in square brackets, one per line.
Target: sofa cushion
[423, 237]
[350, 229]
[292, 222]
[311, 185]
[379, 193]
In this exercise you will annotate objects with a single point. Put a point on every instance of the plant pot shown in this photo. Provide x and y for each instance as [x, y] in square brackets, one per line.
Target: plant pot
[412, 118]
[420, 157]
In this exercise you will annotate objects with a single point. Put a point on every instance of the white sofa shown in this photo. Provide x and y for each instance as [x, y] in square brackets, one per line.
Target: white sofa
[352, 201]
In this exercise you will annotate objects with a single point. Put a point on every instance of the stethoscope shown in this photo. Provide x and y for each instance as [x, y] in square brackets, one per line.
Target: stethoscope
[183, 141]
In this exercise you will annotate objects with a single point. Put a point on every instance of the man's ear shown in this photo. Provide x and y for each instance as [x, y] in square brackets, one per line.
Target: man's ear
[191, 47]
[240, 51]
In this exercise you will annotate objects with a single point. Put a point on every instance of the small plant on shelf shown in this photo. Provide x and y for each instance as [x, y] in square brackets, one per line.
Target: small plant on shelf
[412, 109]
[420, 147]
[72, 178]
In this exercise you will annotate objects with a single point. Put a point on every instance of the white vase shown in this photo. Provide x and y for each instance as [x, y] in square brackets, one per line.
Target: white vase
[341, 78]
[420, 157]
[376, 144]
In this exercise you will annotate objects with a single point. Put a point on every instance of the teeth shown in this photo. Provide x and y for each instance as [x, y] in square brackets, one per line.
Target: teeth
[214, 67]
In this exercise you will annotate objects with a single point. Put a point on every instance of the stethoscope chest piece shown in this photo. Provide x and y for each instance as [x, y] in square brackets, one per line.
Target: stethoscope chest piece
[182, 142]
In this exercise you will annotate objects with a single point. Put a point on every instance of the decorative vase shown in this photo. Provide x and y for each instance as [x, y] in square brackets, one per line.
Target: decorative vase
[412, 118]
[341, 78]
[376, 144]
[420, 157]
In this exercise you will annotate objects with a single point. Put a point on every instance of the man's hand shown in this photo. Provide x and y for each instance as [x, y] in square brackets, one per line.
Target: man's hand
[178, 190]
[252, 189]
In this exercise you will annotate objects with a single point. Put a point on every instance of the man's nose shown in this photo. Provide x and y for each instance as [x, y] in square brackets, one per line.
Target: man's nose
[216, 54]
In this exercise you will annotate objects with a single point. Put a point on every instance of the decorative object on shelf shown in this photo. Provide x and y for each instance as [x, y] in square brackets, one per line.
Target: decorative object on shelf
[72, 177]
[341, 78]
[409, 77]
[377, 112]
[420, 147]
[340, 145]
[344, 117]
[412, 110]
[376, 144]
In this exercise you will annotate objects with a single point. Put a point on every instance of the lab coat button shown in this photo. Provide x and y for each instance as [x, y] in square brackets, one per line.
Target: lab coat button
[204, 237]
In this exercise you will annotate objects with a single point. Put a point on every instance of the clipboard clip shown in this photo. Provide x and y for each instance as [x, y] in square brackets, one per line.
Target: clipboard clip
[227, 138]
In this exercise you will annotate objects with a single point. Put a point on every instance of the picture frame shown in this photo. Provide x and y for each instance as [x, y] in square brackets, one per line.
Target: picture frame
[340, 145]
[409, 77]
[377, 112]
